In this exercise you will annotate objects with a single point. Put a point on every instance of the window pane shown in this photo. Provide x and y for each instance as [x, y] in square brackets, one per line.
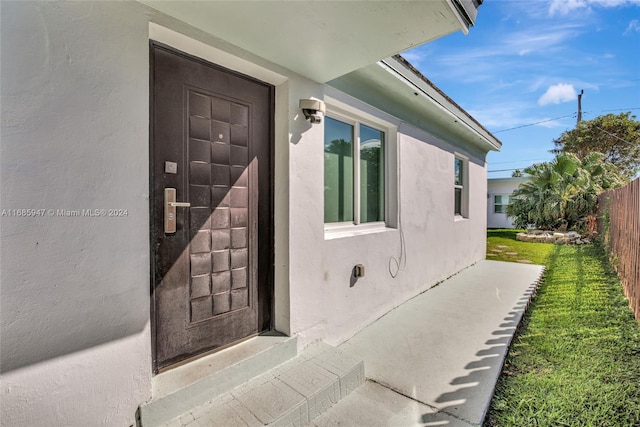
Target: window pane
[458, 171]
[338, 171]
[458, 201]
[500, 203]
[501, 200]
[371, 174]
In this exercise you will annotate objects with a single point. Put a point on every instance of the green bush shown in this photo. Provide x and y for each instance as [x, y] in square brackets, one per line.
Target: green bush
[560, 194]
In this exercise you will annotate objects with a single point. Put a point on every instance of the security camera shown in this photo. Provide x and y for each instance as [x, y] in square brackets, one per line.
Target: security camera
[313, 110]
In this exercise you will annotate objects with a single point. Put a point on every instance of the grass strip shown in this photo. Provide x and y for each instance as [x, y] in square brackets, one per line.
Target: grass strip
[575, 360]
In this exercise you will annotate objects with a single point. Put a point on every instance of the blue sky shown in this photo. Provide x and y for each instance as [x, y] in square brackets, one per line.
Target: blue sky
[526, 61]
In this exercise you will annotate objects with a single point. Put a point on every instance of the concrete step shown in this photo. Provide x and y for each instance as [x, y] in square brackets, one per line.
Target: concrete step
[375, 405]
[180, 389]
[291, 394]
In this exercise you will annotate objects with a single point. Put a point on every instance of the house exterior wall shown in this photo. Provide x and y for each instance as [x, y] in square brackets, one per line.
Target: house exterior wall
[323, 304]
[76, 348]
[76, 340]
[500, 186]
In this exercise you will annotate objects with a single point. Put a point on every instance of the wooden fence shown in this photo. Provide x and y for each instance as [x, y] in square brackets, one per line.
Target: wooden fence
[619, 226]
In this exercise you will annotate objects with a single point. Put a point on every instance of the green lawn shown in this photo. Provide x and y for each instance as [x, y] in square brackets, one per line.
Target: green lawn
[575, 360]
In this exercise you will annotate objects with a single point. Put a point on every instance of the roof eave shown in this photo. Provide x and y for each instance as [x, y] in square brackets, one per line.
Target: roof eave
[319, 40]
[416, 81]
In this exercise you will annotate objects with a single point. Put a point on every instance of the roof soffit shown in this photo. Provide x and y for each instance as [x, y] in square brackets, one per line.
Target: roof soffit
[424, 107]
[318, 39]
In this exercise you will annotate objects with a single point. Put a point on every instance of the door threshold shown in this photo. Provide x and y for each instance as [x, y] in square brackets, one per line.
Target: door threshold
[201, 368]
[194, 359]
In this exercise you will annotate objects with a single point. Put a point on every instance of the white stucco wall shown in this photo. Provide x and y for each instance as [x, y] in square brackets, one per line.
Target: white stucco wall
[500, 186]
[75, 290]
[76, 344]
[324, 305]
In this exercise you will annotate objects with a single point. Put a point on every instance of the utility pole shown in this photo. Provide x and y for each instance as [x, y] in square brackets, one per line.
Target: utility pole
[580, 106]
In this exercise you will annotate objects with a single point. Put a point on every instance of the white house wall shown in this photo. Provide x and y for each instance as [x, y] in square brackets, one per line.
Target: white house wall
[76, 340]
[76, 347]
[500, 186]
[323, 304]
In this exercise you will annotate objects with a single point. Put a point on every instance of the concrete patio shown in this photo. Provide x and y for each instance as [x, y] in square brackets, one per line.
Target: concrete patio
[435, 360]
[432, 361]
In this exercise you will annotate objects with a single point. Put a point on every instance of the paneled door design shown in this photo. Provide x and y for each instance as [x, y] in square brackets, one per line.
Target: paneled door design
[211, 207]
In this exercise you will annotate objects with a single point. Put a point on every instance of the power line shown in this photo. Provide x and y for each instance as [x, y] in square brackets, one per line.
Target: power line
[503, 170]
[536, 123]
[622, 109]
[516, 161]
[609, 133]
[562, 117]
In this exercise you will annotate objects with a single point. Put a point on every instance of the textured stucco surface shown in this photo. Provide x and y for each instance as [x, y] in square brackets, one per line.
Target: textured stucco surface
[76, 342]
[75, 304]
[324, 305]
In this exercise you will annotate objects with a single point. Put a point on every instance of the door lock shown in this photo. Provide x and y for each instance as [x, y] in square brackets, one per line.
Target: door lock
[170, 206]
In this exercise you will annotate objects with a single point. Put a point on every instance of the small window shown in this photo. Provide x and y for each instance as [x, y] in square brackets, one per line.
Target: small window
[500, 203]
[354, 172]
[460, 187]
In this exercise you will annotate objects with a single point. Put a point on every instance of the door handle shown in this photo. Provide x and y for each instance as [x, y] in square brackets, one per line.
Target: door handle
[170, 206]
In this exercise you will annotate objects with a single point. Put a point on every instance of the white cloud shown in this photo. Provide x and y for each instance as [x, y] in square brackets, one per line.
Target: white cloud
[634, 26]
[501, 56]
[564, 7]
[535, 40]
[499, 116]
[542, 39]
[414, 56]
[556, 94]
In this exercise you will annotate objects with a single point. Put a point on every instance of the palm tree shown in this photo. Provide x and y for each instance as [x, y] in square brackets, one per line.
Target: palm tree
[562, 193]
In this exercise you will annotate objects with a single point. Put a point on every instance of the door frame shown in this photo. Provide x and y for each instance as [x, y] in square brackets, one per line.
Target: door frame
[266, 268]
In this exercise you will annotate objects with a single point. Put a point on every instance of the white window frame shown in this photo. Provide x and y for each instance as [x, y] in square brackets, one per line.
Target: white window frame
[501, 204]
[464, 202]
[354, 118]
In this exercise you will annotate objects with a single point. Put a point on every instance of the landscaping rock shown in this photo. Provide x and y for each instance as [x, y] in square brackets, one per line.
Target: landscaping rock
[557, 237]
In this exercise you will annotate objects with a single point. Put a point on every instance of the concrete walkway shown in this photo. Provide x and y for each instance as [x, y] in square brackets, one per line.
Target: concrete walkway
[435, 360]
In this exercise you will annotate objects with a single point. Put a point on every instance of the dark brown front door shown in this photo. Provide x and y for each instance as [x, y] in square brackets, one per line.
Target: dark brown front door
[211, 139]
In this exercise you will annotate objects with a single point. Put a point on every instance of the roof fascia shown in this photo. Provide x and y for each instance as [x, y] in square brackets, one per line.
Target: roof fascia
[401, 69]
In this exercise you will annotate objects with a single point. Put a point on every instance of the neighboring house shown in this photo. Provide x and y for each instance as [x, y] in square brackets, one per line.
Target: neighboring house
[105, 282]
[499, 191]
